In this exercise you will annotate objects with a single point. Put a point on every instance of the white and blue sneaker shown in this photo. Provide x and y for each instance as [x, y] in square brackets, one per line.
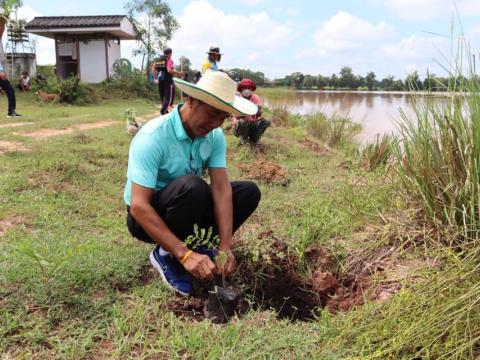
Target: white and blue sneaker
[171, 271]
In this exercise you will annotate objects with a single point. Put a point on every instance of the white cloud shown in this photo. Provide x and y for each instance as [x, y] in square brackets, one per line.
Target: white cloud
[238, 36]
[345, 31]
[252, 2]
[414, 48]
[420, 10]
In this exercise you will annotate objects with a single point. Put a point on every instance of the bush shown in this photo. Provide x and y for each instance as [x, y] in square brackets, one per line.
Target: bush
[335, 131]
[72, 91]
[130, 85]
[377, 153]
[439, 159]
[280, 115]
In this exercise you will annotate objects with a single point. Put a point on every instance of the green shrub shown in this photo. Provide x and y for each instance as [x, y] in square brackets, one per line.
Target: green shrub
[378, 152]
[335, 131]
[72, 91]
[130, 85]
[280, 116]
[438, 159]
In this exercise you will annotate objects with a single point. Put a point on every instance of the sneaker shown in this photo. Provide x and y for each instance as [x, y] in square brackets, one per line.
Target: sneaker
[172, 272]
[14, 114]
[211, 253]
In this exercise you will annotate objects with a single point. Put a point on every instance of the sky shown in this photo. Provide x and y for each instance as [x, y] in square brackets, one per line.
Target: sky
[278, 37]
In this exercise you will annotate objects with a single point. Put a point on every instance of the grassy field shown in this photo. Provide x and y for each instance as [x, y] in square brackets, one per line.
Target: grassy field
[75, 285]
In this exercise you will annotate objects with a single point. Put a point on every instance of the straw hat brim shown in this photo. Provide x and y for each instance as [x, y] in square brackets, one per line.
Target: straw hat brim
[239, 107]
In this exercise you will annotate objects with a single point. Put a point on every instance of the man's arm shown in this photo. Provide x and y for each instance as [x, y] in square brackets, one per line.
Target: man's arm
[171, 70]
[223, 208]
[141, 209]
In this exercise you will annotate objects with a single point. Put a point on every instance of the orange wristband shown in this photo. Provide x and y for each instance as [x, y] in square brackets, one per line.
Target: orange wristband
[185, 257]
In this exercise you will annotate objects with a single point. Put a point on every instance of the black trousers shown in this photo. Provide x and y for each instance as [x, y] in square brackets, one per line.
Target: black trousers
[250, 131]
[187, 201]
[167, 94]
[8, 88]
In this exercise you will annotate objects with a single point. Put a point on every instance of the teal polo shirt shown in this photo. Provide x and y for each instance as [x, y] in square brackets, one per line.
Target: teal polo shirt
[162, 151]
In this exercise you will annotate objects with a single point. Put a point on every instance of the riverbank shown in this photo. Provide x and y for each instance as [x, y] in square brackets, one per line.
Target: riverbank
[74, 284]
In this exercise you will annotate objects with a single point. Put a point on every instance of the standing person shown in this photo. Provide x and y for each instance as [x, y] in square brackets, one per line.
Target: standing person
[164, 72]
[166, 195]
[8, 88]
[214, 57]
[250, 128]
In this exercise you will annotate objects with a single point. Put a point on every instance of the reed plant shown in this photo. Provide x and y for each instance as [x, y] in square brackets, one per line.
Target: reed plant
[438, 157]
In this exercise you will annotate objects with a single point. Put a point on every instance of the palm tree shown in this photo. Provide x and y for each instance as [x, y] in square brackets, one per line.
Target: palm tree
[6, 8]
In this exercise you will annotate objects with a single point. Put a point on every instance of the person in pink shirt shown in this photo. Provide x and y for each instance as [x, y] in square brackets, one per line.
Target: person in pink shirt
[250, 128]
[164, 72]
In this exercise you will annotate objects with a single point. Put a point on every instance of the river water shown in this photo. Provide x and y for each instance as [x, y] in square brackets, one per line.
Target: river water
[378, 112]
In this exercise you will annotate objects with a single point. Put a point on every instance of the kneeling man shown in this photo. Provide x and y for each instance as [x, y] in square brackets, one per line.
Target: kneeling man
[166, 194]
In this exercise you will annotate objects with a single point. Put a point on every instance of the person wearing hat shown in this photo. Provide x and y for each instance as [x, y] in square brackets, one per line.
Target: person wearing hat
[165, 193]
[250, 128]
[211, 61]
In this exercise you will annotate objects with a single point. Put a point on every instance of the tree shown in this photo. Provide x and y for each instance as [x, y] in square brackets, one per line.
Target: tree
[185, 65]
[370, 80]
[238, 74]
[310, 81]
[413, 81]
[6, 8]
[333, 81]
[155, 25]
[296, 79]
[347, 79]
[322, 81]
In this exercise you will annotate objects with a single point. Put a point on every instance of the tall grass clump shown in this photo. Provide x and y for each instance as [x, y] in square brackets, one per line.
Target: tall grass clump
[334, 131]
[282, 117]
[438, 157]
[377, 153]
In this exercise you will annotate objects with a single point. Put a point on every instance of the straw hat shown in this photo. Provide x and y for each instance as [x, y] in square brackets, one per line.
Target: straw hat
[217, 89]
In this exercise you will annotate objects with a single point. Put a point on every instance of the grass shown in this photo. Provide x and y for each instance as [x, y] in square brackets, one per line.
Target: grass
[377, 153]
[335, 132]
[277, 93]
[74, 284]
[438, 160]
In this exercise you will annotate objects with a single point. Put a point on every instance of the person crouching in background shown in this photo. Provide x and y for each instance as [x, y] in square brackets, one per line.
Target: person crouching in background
[250, 128]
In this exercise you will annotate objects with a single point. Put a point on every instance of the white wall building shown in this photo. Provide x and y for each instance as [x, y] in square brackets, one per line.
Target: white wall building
[85, 46]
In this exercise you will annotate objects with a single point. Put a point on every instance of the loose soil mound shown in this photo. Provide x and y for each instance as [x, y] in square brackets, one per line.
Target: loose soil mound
[314, 147]
[264, 170]
[11, 146]
[279, 286]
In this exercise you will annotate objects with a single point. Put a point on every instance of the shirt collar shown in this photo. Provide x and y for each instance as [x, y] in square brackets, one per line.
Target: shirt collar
[178, 128]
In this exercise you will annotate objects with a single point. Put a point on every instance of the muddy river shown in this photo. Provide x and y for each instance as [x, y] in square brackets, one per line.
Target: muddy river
[376, 111]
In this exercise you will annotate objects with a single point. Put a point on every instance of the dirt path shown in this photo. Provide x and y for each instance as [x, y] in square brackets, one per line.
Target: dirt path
[45, 133]
[11, 146]
[15, 124]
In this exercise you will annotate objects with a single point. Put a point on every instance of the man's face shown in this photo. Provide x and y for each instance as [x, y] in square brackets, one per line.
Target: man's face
[205, 118]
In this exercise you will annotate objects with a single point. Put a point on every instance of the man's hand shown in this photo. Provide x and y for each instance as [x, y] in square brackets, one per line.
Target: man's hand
[199, 266]
[225, 263]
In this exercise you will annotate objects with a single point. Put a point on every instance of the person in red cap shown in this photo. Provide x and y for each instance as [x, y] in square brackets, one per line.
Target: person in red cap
[250, 128]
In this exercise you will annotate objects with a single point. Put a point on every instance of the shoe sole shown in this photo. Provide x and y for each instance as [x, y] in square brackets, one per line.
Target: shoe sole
[158, 267]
